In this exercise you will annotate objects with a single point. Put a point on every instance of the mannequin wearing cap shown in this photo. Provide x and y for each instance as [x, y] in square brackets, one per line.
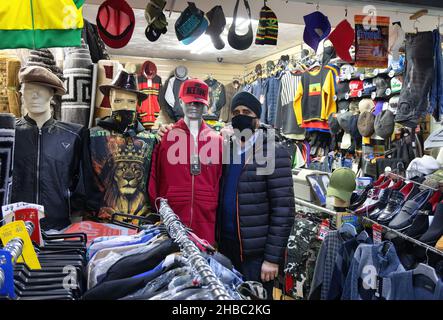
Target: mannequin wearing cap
[187, 164]
[121, 152]
[47, 152]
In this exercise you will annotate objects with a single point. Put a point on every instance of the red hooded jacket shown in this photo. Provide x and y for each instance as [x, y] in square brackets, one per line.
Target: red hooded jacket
[193, 198]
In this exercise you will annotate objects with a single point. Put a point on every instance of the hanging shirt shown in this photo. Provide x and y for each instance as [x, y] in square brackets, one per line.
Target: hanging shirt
[149, 109]
[314, 100]
[271, 90]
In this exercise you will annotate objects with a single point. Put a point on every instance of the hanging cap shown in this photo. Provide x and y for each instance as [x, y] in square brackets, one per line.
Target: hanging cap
[317, 28]
[217, 23]
[342, 38]
[194, 90]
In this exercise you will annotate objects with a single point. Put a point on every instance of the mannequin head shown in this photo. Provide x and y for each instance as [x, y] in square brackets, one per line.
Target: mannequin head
[193, 110]
[36, 98]
[123, 100]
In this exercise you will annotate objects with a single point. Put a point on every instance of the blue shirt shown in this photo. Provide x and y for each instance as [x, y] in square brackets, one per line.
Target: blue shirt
[232, 177]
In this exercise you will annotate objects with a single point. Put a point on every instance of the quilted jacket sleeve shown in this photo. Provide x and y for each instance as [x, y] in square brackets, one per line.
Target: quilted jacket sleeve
[282, 206]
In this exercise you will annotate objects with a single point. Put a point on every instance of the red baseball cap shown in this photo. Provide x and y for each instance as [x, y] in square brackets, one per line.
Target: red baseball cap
[343, 38]
[355, 87]
[194, 90]
[115, 23]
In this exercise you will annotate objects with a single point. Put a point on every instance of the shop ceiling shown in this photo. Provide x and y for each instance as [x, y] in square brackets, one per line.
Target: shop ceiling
[289, 12]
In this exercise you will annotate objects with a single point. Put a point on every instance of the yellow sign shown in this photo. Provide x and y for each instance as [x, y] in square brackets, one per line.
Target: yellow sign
[17, 229]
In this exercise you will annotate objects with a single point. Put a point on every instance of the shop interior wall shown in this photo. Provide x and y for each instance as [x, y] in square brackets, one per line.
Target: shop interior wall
[223, 72]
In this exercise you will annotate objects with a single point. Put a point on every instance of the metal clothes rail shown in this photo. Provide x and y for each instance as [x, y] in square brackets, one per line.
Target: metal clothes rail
[179, 233]
[15, 247]
[372, 222]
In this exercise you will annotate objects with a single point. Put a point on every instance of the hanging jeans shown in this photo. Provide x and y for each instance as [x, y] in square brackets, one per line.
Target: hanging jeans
[414, 97]
[436, 97]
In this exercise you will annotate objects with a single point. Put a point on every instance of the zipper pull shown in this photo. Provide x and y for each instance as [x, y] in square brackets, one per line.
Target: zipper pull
[39, 131]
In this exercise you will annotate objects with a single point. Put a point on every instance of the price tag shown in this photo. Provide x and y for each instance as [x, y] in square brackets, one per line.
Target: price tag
[149, 83]
[32, 216]
[377, 233]
[17, 229]
[323, 230]
[367, 140]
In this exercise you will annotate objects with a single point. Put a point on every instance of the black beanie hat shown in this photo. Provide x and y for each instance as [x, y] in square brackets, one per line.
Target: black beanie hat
[248, 100]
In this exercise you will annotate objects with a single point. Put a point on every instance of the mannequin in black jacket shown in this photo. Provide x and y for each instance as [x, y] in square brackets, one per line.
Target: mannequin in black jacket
[47, 152]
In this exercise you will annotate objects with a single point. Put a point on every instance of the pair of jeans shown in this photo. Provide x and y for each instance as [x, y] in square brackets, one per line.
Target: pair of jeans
[436, 97]
[414, 96]
[250, 267]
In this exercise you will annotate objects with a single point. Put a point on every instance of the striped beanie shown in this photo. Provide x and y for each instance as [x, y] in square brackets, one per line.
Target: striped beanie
[267, 32]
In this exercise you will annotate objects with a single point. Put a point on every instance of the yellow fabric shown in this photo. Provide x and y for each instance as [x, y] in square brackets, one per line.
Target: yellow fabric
[297, 104]
[439, 244]
[47, 14]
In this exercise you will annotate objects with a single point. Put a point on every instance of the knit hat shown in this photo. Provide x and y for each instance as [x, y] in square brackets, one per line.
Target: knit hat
[384, 124]
[267, 31]
[366, 124]
[248, 100]
[342, 184]
[317, 28]
[217, 23]
[342, 38]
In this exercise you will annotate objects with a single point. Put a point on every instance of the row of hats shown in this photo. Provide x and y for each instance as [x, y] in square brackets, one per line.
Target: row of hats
[380, 87]
[116, 24]
[395, 67]
[366, 118]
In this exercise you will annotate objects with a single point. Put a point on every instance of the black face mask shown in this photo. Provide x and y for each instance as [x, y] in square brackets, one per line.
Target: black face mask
[124, 119]
[242, 122]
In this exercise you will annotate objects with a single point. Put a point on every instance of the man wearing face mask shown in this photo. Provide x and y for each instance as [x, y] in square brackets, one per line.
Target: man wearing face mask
[256, 211]
[187, 164]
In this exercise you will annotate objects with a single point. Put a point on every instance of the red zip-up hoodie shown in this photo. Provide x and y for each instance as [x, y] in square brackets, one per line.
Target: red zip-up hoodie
[193, 198]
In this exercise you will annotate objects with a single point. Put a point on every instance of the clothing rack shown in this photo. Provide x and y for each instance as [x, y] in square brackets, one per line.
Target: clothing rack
[414, 182]
[372, 222]
[15, 247]
[179, 233]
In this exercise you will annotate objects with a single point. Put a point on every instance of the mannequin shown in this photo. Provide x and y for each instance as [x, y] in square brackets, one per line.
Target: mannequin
[187, 164]
[121, 152]
[48, 152]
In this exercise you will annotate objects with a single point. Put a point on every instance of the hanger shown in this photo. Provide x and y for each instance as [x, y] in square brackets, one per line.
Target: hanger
[415, 25]
[424, 275]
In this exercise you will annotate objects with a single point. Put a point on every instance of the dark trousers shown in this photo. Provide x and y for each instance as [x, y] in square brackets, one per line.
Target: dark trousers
[250, 267]
[419, 77]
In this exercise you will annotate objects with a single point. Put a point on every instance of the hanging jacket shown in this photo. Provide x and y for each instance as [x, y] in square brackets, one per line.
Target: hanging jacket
[95, 44]
[38, 24]
[47, 167]
[231, 91]
[265, 205]
[217, 96]
[314, 100]
[192, 197]
[171, 97]
[118, 170]
[271, 90]
[149, 110]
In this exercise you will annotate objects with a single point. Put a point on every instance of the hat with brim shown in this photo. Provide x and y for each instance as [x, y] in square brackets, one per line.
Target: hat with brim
[115, 23]
[343, 38]
[317, 28]
[124, 81]
[42, 76]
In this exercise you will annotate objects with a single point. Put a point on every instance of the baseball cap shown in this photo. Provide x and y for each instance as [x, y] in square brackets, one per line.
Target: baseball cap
[368, 86]
[396, 84]
[342, 89]
[317, 28]
[115, 23]
[342, 39]
[191, 24]
[333, 124]
[342, 184]
[393, 104]
[378, 107]
[366, 105]
[217, 23]
[355, 88]
[194, 90]
[346, 72]
[344, 119]
[382, 87]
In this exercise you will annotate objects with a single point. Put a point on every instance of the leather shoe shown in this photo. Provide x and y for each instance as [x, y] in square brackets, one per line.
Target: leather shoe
[409, 211]
[381, 204]
[393, 207]
[419, 226]
[435, 230]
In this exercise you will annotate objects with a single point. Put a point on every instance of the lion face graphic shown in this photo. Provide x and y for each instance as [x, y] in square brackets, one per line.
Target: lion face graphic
[128, 177]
